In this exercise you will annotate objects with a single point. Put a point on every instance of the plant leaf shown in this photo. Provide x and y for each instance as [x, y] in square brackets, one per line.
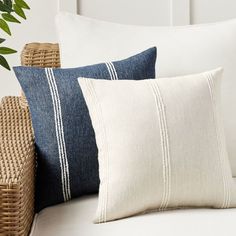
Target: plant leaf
[18, 10]
[10, 18]
[22, 4]
[4, 63]
[5, 7]
[8, 3]
[5, 50]
[4, 26]
[2, 40]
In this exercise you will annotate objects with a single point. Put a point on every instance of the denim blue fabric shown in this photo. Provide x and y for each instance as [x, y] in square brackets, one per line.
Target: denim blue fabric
[67, 165]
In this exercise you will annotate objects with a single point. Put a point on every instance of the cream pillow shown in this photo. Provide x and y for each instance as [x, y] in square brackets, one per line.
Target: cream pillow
[182, 50]
[161, 144]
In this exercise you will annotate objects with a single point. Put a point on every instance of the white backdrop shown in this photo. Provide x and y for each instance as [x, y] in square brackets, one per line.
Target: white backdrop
[159, 12]
[38, 27]
[40, 24]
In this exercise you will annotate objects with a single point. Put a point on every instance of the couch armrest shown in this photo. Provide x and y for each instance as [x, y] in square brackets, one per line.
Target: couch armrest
[17, 168]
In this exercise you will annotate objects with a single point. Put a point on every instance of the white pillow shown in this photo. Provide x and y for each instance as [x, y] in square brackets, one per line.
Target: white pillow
[181, 50]
[161, 144]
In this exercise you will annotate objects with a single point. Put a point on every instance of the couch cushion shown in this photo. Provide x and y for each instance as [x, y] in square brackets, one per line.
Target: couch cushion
[74, 218]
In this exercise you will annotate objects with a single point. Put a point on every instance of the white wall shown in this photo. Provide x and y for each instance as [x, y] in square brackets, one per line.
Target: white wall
[203, 11]
[137, 12]
[159, 12]
[38, 27]
[40, 24]
[141, 12]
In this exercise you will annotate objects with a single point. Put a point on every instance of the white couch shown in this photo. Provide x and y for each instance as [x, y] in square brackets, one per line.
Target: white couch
[75, 218]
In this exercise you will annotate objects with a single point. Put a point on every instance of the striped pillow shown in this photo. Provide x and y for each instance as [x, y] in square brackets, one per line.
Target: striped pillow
[67, 165]
[167, 150]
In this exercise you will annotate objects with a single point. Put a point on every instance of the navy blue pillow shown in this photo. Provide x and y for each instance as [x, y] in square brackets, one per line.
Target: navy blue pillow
[67, 165]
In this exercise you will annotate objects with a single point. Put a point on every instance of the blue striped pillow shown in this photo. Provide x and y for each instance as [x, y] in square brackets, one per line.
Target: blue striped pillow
[67, 165]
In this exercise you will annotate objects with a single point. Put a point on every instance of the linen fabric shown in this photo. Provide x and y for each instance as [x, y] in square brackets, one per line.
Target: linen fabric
[76, 216]
[67, 165]
[182, 50]
[161, 144]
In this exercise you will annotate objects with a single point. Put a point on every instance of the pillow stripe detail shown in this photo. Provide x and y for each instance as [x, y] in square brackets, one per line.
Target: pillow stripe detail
[226, 184]
[164, 144]
[59, 134]
[105, 163]
[56, 129]
[62, 136]
[112, 71]
[109, 70]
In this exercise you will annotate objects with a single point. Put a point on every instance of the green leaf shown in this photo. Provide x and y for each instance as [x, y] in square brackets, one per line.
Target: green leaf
[5, 50]
[4, 26]
[8, 3]
[10, 18]
[22, 4]
[18, 10]
[5, 7]
[4, 63]
[2, 40]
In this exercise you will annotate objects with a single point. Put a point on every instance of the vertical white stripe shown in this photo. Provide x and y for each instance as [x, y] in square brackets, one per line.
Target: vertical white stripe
[167, 150]
[61, 130]
[113, 74]
[57, 133]
[61, 153]
[226, 197]
[110, 71]
[165, 145]
[114, 70]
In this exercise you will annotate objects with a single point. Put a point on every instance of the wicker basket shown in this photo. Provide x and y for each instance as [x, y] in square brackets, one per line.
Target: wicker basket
[17, 154]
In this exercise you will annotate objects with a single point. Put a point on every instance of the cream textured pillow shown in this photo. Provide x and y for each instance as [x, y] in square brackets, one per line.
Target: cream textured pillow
[161, 144]
[182, 50]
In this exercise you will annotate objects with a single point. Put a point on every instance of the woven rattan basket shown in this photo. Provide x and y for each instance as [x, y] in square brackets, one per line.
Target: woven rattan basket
[17, 153]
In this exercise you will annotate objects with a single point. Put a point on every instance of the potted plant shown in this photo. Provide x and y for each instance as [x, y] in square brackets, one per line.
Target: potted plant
[11, 11]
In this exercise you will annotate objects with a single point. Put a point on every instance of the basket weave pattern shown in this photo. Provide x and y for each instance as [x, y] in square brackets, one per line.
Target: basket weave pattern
[41, 55]
[17, 153]
[17, 161]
